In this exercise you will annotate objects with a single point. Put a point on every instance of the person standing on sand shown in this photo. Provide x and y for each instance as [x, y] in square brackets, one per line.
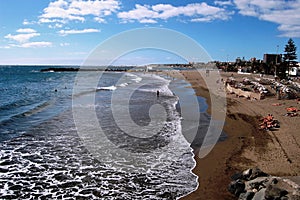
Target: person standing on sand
[157, 93]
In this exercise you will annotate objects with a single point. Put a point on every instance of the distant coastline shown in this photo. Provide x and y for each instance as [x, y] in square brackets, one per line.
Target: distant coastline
[76, 69]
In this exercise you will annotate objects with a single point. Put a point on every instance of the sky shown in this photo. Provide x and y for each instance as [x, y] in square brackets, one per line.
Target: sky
[66, 32]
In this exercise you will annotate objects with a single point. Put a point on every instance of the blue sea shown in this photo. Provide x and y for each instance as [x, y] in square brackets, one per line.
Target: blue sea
[45, 153]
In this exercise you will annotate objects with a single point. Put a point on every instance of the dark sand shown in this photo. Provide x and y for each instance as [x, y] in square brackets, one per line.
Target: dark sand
[275, 152]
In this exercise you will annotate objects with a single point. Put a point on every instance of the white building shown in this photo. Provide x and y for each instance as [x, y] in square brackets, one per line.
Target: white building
[295, 71]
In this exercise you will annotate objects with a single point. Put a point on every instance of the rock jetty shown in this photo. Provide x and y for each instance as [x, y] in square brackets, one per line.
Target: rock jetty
[258, 185]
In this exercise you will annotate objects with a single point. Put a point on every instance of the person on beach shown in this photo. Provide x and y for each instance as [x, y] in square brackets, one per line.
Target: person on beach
[157, 93]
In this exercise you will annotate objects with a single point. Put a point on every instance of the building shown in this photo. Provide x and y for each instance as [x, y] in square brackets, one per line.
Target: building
[294, 71]
[272, 58]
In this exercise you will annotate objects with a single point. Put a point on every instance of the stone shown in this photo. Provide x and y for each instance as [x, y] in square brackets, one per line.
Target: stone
[295, 197]
[237, 176]
[274, 192]
[236, 187]
[247, 173]
[260, 194]
[256, 172]
[257, 183]
[246, 196]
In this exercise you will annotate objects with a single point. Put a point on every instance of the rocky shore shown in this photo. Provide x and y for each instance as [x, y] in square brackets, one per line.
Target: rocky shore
[256, 184]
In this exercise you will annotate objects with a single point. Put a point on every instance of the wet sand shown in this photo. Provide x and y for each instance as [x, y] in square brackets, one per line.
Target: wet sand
[275, 152]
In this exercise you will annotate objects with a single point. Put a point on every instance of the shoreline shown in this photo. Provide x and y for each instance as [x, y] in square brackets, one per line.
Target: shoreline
[275, 152]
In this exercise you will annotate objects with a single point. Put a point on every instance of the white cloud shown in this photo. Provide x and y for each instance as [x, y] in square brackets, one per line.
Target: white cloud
[223, 3]
[36, 44]
[57, 25]
[26, 22]
[284, 13]
[150, 14]
[77, 10]
[99, 20]
[204, 19]
[148, 21]
[21, 38]
[26, 30]
[139, 13]
[64, 44]
[67, 32]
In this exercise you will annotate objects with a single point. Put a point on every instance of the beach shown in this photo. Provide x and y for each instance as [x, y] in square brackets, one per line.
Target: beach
[44, 154]
[274, 152]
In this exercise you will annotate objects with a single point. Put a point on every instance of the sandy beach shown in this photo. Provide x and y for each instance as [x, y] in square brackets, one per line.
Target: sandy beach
[275, 152]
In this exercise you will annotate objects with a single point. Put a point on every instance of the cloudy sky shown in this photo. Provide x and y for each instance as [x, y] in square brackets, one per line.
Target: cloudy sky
[67, 31]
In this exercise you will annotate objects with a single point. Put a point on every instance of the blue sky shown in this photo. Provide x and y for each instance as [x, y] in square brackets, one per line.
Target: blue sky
[67, 31]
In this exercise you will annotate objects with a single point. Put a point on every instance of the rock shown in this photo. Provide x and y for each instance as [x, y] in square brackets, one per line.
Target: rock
[284, 198]
[257, 183]
[236, 187]
[260, 194]
[274, 181]
[246, 196]
[274, 192]
[256, 172]
[247, 173]
[237, 176]
[295, 197]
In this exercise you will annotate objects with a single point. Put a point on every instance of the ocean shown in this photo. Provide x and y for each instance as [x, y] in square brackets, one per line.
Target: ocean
[56, 143]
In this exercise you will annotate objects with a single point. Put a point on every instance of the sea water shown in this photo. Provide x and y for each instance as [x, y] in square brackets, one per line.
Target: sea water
[43, 156]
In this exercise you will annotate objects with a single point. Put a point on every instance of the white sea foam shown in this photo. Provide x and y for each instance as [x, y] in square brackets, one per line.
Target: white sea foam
[55, 158]
[112, 87]
[123, 84]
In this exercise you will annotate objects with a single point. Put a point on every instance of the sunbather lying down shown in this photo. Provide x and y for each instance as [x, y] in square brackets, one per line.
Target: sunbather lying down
[268, 123]
[292, 109]
[291, 114]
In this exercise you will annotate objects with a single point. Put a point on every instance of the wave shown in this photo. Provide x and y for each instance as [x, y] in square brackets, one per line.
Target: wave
[135, 78]
[14, 104]
[33, 109]
[111, 88]
[123, 85]
[38, 108]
